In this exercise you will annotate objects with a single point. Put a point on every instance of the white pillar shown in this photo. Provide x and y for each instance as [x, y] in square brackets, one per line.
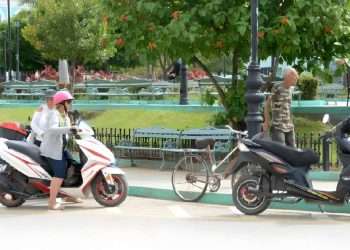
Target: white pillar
[63, 72]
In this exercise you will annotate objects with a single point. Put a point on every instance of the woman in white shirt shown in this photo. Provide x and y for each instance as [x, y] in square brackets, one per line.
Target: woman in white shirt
[39, 121]
[54, 143]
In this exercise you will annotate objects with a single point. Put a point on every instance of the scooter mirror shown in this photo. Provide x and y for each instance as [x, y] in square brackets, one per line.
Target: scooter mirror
[325, 119]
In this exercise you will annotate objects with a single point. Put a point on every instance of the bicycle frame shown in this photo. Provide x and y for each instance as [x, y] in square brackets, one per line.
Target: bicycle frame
[213, 164]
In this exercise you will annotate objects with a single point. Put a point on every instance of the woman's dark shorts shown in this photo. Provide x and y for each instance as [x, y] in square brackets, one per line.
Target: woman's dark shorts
[59, 167]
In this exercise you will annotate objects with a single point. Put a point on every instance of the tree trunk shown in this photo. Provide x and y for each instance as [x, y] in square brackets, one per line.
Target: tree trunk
[164, 66]
[235, 66]
[215, 82]
[71, 88]
[274, 67]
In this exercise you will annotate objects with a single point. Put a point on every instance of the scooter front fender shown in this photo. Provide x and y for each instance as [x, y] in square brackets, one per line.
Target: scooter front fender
[112, 171]
[94, 169]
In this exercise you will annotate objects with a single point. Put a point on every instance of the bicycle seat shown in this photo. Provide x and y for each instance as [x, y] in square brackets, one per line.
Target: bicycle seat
[203, 143]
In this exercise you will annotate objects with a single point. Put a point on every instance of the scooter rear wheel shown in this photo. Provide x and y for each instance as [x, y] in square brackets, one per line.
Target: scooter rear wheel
[11, 201]
[247, 201]
[106, 197]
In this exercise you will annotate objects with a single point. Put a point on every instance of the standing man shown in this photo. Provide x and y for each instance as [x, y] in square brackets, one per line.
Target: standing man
[279, 104]
[39, 121]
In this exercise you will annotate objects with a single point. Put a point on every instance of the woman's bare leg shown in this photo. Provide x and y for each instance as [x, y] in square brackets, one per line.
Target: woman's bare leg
[54, 189]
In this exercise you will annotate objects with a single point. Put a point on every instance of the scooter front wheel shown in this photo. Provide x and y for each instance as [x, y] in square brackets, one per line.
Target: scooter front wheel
[107, 195]
[246, 197]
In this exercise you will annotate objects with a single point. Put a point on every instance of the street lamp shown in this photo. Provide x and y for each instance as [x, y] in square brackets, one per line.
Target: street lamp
[9, 40]
[4, 35]
[17, 49]
[183, 83]
[253, 95]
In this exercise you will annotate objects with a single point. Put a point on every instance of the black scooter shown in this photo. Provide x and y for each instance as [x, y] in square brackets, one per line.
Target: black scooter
[265, 170]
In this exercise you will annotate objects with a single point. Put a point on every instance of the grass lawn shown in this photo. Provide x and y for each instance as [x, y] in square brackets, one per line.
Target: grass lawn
[16, 114]
[303, 125]
[138, 118]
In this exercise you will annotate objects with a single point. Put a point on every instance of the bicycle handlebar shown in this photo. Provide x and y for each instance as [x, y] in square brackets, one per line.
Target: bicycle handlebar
[244, 133]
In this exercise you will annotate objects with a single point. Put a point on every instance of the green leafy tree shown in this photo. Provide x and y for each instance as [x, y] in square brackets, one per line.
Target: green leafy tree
[73, 30]
[295, 31]
[30, 58]
[307, 34]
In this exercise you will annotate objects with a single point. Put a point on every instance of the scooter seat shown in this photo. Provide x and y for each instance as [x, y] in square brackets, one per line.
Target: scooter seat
[30, 150]
[295, 157]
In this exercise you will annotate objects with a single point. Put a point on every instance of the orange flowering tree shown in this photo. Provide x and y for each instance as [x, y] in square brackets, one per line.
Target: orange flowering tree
[312, 31]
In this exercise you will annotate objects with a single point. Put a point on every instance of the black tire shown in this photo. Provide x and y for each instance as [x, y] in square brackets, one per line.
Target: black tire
[103, 196]
[191, 171]
[11, 203]
[248, 202]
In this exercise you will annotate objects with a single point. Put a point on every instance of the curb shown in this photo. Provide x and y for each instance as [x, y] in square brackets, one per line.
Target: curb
[226, 199]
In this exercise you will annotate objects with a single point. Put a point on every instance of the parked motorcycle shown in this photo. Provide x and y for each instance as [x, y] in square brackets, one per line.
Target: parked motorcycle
[25, 175]
[265, 170]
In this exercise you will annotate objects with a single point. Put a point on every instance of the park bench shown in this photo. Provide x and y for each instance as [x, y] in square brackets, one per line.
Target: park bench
[26, 89]
[147, 141]
[330, 90]
[158, 143]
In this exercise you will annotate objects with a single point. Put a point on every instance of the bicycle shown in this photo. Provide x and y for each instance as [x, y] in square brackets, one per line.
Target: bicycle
[192, 175]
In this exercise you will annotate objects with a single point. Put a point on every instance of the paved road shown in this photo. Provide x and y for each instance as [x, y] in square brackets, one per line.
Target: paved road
[155, 224]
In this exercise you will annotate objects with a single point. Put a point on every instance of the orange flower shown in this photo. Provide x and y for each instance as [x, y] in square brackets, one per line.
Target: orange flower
[123, 18]
[152, 45]
[261, 34]
[219, 44]
[284, 20]
[176, 15]
[120, 42]
[327, 29]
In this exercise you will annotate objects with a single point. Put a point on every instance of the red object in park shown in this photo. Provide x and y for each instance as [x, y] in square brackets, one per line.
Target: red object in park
[197, 74]
[12, 131]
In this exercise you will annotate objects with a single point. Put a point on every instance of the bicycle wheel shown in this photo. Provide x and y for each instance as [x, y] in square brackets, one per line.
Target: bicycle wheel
[190, 178]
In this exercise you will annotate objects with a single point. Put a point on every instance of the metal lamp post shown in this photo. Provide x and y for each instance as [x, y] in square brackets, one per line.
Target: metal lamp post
[253, 95]
[183, 83]
[5, 53]
[17, 50]
[9, 47]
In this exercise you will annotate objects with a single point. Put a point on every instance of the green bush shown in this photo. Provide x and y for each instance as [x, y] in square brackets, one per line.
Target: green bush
[208, 98]
[235, 100]
[307, 84]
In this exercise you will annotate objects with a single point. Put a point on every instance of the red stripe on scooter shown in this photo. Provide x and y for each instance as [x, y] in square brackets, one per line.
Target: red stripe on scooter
[95, 153]
[40, 186]
[93, 165]
[26, 162]
[46, 189]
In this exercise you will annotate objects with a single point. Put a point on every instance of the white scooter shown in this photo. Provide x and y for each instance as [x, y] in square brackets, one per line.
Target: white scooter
[25, 175]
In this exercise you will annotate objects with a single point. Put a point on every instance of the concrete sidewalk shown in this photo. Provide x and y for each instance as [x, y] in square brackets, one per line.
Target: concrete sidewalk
[147, 181]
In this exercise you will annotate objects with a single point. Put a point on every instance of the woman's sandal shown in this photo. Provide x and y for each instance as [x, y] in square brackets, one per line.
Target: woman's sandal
[72, 199]
[56, 207]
